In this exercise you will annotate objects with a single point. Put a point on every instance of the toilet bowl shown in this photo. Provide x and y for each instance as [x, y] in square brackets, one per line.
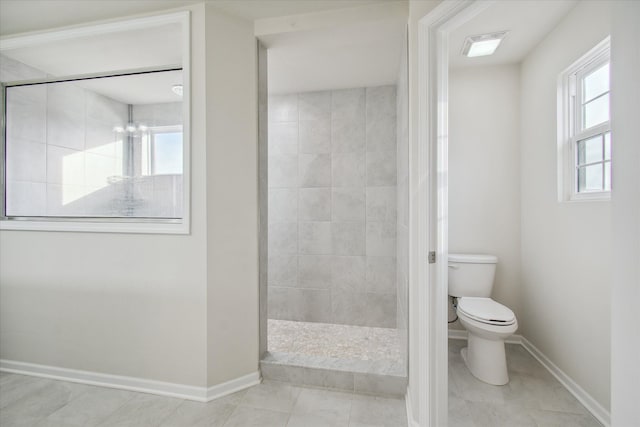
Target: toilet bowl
[488, 323]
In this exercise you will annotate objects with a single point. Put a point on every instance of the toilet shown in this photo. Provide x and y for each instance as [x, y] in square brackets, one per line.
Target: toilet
[488, 322]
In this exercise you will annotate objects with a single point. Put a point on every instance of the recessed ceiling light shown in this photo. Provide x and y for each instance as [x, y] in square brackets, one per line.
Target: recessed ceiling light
[483, 44]
[177, 89]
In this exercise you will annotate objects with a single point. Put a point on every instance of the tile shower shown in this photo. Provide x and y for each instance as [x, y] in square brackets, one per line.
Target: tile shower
[333, 275]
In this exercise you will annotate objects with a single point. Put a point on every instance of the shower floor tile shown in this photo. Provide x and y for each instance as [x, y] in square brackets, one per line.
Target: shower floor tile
[335, 341]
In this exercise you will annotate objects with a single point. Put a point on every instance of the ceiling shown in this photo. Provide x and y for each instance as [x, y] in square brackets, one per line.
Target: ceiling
[356, 55]
[527, 23]
[18, 16]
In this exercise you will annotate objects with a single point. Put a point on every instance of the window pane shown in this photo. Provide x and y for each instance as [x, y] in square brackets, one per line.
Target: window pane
[607, 146]
[596, 111]
[596, 83]
[590, 178]
[607, 176]
[167, 153]
[590, 150]
[74, 149]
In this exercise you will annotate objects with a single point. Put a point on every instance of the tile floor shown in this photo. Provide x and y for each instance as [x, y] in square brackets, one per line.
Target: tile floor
[334, 341]
[533, 396]
[31, 401]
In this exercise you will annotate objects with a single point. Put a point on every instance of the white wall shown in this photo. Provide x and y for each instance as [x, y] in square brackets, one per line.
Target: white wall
[566, 247]
[174, 308]
[625, 339]
[484, 172]
[122, 304]
[232, 197]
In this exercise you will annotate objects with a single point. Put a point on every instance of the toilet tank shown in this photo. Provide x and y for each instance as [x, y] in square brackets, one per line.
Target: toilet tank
[471, 275]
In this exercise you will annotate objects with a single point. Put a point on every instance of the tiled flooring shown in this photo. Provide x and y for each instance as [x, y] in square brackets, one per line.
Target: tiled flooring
[335, 341]
[30, 401]
[533, 397]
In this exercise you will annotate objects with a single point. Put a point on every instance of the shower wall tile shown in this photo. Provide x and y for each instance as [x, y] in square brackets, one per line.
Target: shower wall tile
[283, 238]
[65, 166]
[283, 170]
[314, 204]
[357, 308]
[381, 134]
[310, 305]
[283, 138]
[348, 104]
[348, 273]
[26, 161]
[315, 238]
[283, 108]
[315, 136]
[348, 204]
[24, 198]
[348, 170]
[27, 121]
[283, 270]
[347, 135]
[381, 168]
[313, 271]
[283, 205]
[381, 239]
[314, 170]
[343, 187]
[381, 275]
[348, 238]
[381, 102]
[314, 106]
[381, 204]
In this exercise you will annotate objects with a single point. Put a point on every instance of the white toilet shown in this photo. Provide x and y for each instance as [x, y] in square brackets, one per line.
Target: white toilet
[488, 322]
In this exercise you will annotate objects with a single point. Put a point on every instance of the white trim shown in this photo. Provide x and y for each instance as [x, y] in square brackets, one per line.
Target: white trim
[160, 388]
[411, 422]
[572, 387]
[569, 124]
[578, 392]
[429, 212]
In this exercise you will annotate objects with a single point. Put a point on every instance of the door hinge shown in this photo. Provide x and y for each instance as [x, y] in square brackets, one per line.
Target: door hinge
[432, 257]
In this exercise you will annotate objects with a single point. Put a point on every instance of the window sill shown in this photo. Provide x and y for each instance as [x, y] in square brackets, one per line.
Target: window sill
[600, 196]
[97, 226]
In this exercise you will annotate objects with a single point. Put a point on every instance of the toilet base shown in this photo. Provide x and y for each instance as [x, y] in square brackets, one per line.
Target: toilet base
[486, 360]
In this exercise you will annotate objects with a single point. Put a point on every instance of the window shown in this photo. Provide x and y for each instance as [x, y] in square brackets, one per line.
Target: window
[584, 127]
[88, 147]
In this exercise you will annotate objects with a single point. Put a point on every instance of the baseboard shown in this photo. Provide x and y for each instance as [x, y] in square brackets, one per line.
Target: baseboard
[411, 421]
[234, 385]
[181, 391]
[578, 392]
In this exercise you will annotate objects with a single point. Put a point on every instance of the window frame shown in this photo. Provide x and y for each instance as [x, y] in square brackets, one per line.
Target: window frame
[570, 123]
[105, 224]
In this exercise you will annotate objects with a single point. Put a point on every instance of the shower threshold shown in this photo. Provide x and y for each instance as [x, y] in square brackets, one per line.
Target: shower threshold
[343, 357]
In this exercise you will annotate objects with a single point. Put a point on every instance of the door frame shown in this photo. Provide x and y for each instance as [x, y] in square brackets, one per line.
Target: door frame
[430, 203]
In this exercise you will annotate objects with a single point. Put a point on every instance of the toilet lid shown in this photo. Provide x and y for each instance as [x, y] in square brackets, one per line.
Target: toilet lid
[486, 310]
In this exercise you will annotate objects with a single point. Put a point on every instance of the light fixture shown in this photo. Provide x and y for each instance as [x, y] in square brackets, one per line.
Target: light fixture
[177, 89]
[483, 44]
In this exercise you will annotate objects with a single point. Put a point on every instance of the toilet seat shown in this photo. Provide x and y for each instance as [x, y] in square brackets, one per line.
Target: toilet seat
[486, 310]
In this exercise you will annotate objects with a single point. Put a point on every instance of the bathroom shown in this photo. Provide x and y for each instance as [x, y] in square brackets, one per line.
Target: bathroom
[504, 203]
[336, 206]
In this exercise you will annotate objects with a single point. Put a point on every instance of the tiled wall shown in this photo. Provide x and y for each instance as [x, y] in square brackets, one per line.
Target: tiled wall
[332, 207]
[403, 204]
[64, 158]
